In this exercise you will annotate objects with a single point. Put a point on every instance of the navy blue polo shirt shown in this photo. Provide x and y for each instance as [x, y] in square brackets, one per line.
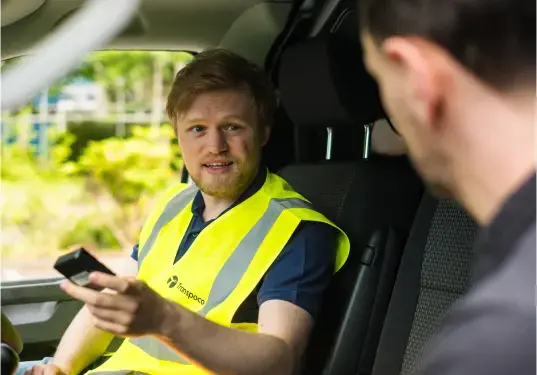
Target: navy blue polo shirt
[302, 271]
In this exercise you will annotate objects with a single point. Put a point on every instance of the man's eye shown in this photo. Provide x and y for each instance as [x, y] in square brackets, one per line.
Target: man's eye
[197, 129]
[233, 127]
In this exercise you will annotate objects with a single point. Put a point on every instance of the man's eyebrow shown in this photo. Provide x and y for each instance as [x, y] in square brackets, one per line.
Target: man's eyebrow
[193, 120]
[201, 120]
[234, 117]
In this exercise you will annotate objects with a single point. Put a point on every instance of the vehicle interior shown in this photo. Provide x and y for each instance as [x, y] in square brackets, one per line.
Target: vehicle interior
[410, 252]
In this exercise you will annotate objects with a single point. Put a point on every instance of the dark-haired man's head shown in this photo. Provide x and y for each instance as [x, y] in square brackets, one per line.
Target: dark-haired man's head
[457, 79]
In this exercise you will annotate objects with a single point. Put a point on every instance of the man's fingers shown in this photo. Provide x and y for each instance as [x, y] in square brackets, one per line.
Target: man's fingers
[51, 370]
[105, 280]
[90, 296]
[112, 316]
[43, 369]
[115, 328]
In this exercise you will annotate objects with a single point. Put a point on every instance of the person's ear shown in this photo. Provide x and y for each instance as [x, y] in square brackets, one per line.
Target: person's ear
[265, 135]
[413, 58]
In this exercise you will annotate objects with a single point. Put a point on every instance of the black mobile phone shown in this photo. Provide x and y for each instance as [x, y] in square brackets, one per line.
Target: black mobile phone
[77, 265]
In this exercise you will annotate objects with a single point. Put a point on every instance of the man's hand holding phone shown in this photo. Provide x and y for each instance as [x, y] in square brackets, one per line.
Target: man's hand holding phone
[128, 307]
[134, 310]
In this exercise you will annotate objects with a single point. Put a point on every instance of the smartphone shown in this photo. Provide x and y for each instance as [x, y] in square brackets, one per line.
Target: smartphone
[77, 265]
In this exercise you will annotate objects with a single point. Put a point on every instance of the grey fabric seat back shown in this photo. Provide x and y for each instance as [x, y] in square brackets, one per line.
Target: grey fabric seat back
[360, 198]
[326, 186]
[445, 275]
[429, 281]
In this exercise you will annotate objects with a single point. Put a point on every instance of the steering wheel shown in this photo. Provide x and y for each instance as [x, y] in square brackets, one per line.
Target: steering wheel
[11, 347]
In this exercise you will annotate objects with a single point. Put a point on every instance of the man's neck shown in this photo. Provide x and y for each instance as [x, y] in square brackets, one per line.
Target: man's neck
[497, 159]
[215, 206]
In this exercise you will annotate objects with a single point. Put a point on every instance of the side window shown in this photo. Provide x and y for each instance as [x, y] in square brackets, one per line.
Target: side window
[82, 163]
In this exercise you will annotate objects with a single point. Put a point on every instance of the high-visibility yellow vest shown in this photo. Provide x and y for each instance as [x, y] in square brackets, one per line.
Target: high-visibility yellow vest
[219, 271]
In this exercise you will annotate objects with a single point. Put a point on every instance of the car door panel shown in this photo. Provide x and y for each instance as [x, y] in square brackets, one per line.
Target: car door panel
[40, 311]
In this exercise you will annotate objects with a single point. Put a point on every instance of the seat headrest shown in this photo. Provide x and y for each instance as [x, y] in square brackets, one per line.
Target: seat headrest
[323, 82]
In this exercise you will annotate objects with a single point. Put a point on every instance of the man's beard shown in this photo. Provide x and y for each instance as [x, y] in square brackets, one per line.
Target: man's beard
[229, 186]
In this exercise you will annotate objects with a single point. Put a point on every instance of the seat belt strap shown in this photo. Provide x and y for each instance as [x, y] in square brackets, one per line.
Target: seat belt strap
[400, 316]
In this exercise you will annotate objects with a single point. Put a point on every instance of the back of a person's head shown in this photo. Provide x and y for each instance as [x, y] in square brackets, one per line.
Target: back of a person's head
[493, 39]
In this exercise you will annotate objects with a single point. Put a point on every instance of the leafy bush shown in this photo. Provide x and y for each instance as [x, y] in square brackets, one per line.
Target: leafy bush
[129, 173]
[38, 201]
[35, 213]
[101, 199]
[89, 232]
[131, 167]
[86, 131]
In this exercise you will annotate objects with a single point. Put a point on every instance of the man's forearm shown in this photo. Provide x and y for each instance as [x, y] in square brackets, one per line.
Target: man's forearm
[81, 344]
[223, 350]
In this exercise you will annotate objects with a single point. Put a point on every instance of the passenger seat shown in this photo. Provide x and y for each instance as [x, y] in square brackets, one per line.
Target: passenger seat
[435, 271]
[374, 201]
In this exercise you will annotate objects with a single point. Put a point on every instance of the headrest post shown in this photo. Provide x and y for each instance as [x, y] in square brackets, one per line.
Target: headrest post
[329, 139]
[368, 130]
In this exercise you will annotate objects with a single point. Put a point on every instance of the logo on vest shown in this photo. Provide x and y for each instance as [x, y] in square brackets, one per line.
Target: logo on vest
[173, 282]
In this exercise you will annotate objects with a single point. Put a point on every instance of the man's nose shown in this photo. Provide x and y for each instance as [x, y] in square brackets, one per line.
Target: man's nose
[217, 142]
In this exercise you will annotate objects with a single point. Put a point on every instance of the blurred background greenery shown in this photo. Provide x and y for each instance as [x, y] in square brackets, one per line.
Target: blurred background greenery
[85, 171]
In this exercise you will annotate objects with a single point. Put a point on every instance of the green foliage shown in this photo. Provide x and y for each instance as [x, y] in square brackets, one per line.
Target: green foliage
[20, 163]
[127, 174]
[86, 131]
[129, 68]
[100, 200]
[128, 168]
[90, 232]
[35, 212]
[38, 200]
[17, 163]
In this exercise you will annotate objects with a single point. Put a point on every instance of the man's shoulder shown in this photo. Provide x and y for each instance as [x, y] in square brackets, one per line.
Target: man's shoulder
[483, 339]
[312, 239]
[513, 281]
[304, 268]
[315, 229]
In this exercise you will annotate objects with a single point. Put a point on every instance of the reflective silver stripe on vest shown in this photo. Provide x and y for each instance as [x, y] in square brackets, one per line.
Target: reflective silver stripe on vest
[230, 274]
[174, 206]
[236, 265]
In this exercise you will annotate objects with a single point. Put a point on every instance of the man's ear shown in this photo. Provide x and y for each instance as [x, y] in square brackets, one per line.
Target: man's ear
[265, 135]
[413, 59]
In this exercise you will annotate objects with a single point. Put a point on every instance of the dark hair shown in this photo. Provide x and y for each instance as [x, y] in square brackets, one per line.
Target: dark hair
[494, 39]
[219, 69]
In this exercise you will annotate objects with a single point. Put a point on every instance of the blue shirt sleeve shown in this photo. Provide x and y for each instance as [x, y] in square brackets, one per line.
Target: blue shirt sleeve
[303, 270]
[134, 254]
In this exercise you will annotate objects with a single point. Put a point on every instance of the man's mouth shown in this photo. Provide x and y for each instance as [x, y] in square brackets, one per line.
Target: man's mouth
[217, 166]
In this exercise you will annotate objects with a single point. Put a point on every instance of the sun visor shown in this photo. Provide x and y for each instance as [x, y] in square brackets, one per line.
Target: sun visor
[323, 83]
[13, 11]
